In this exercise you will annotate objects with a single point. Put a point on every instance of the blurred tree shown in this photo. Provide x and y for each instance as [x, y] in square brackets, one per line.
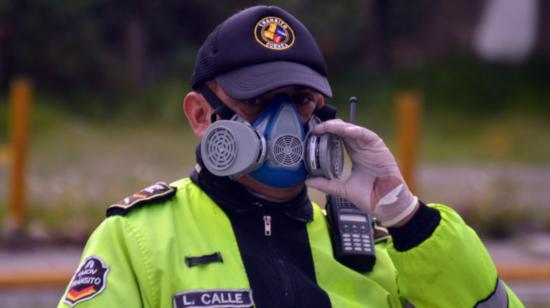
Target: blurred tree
[339, 26]
[97, 44]
[55, 42]
[105, 49]
[544, 30]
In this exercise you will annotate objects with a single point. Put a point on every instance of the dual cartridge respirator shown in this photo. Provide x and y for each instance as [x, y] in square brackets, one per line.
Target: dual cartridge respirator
[276, 149]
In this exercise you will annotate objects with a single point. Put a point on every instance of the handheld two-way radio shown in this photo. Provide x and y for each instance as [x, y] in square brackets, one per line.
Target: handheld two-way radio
[351, 228]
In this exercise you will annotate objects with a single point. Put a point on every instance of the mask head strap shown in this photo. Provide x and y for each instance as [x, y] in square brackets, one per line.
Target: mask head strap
[215, 102]
[325, 112]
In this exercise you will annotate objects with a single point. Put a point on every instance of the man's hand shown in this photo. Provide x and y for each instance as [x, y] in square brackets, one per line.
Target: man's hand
[375, 185]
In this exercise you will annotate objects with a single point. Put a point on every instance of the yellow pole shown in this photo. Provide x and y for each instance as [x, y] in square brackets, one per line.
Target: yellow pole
[20, 101]
[4, 155]
[35, 278]
[524, 272]
[408, 127]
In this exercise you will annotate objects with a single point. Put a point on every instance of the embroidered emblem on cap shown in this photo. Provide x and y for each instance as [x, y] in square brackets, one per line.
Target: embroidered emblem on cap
[88, 281]
[274, 33]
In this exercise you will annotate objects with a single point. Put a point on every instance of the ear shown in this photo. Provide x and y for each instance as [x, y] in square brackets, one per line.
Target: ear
[321, 100]
[198, 112]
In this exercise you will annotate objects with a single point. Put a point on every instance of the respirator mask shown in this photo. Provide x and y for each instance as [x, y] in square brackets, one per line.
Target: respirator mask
[276, 149]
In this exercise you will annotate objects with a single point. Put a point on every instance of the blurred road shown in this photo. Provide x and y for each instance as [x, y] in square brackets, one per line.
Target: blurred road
[473, 184]
[533, 250]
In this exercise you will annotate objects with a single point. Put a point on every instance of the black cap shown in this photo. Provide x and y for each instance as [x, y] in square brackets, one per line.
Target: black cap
[260, 49]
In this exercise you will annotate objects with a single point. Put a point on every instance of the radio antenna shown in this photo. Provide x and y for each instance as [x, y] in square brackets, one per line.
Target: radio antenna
[352, 109]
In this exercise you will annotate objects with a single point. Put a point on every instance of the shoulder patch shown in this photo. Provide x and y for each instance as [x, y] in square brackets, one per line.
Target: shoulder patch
[157, 192]
[88, 281]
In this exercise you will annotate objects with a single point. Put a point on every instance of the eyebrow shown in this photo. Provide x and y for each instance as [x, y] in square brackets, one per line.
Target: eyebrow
[298, 88]
[302, 88]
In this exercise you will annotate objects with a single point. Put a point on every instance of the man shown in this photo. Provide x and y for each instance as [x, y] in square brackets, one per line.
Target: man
[241, 231]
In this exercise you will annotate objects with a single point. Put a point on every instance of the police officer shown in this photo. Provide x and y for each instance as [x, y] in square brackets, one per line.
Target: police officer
[241, 231]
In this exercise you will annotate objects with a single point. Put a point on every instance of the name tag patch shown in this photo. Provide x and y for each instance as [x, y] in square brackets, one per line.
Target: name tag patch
[214, 298]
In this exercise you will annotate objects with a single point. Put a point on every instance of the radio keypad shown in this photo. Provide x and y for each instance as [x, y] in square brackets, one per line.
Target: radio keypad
[356, 238]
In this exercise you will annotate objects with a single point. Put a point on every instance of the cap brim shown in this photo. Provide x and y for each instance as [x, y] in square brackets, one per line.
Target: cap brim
[255, 80]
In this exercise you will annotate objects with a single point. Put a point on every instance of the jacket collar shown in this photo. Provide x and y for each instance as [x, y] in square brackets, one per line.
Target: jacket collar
[232, 196]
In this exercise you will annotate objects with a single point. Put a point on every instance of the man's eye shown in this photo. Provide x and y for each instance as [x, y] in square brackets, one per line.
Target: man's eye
[304, 99]
[255, 101]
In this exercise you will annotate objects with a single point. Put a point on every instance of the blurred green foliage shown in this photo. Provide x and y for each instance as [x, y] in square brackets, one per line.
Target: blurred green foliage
[103, 58]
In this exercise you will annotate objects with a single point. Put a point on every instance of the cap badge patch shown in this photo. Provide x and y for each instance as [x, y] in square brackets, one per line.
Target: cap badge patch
[88, 281]
[274, 33]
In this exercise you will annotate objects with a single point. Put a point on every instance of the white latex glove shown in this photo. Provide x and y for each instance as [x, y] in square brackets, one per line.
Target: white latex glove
[375, 184]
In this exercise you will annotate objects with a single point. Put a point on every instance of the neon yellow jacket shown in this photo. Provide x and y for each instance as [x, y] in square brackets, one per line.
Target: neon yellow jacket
[139, 260]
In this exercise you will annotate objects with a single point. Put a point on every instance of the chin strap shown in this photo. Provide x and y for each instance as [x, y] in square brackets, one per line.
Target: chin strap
[215, 102]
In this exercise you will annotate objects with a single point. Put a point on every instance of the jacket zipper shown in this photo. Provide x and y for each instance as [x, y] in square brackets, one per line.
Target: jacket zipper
[279, 264]
[267, 225]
